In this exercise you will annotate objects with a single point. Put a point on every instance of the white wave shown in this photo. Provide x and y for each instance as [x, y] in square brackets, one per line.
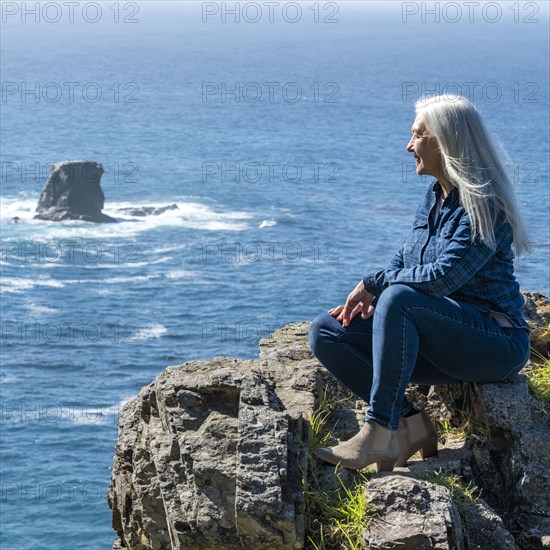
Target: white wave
[37, 310]
[174, 274]
[165, 249]
[95, 415]
[25, 208]
[267, 223]
[103, 291]
[109, 263]
[112, 280]
[12, 284]
[146, 333]
[190, 215]
[179, 274]
[118, 280]
[123, 265]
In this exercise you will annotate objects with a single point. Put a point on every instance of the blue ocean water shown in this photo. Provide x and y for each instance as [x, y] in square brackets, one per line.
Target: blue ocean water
[283, 145]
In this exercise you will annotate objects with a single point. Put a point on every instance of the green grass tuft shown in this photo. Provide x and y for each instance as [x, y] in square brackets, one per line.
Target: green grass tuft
[318, 435]
[335, 518]
[446, 432]
[462, 496]
[468, 424]
[539, 381]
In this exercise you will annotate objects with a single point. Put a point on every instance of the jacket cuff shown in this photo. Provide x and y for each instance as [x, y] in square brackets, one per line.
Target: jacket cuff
[370, 285]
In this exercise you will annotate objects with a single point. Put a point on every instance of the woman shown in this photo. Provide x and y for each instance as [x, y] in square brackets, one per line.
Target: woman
[447, 307]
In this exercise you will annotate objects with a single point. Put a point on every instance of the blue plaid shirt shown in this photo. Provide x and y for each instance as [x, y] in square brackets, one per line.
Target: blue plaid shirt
[439, 259]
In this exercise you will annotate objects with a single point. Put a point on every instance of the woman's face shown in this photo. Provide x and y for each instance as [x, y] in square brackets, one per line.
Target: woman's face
[425, 149]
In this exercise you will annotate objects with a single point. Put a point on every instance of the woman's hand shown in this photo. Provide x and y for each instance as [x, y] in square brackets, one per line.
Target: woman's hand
[359, 300]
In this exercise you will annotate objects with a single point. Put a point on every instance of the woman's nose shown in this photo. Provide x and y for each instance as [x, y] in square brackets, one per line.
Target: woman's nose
[410, 146]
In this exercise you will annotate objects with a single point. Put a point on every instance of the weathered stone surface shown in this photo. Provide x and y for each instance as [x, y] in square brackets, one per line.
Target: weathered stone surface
[454, 458]
[412, 514]
[73, 192]
[535, 534]
[510, 459]
[506, 405]
[518, 450]
[210, 455]
[485, 529]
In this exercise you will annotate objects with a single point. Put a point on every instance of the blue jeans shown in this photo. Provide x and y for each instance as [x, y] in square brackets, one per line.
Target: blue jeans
[414, 338]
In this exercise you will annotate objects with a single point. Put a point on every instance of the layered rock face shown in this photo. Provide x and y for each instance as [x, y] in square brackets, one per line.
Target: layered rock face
[212, 455]
[73, 192]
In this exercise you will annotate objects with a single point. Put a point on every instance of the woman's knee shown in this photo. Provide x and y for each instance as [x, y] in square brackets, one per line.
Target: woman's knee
[323, 329]
[396, 295]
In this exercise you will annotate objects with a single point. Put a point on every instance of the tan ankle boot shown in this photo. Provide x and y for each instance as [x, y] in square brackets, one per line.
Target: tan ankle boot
[373, 444]
[416, 433]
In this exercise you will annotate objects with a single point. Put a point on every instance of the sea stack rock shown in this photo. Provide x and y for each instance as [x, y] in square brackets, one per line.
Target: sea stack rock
[73, 192]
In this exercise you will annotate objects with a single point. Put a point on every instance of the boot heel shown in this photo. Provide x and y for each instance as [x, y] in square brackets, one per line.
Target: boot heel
[402, 460]
[386, 465]
[429, 449]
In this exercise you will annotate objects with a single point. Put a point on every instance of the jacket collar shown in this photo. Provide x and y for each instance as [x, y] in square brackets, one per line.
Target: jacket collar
[452, 197]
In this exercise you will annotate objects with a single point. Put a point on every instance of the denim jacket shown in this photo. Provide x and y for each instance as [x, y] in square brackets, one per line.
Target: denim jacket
[439, 259]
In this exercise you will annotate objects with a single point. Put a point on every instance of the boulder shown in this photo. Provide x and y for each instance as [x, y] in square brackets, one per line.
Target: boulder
[73, 192]
[485, 528]
[508, 455]
[410, 514]
[513, 464]
[211, 455]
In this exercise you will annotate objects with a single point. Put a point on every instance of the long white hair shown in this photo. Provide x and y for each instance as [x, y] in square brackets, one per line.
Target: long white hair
[470, 162]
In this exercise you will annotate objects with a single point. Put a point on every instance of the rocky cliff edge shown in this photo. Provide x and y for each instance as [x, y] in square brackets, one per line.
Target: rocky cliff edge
[214, 455]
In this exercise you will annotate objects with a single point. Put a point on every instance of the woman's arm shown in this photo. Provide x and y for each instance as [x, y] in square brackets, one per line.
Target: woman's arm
[397, 261]
[453, 268]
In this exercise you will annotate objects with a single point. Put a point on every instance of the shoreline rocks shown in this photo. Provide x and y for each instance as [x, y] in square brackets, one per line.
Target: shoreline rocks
[212, 455]
[209, 455]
